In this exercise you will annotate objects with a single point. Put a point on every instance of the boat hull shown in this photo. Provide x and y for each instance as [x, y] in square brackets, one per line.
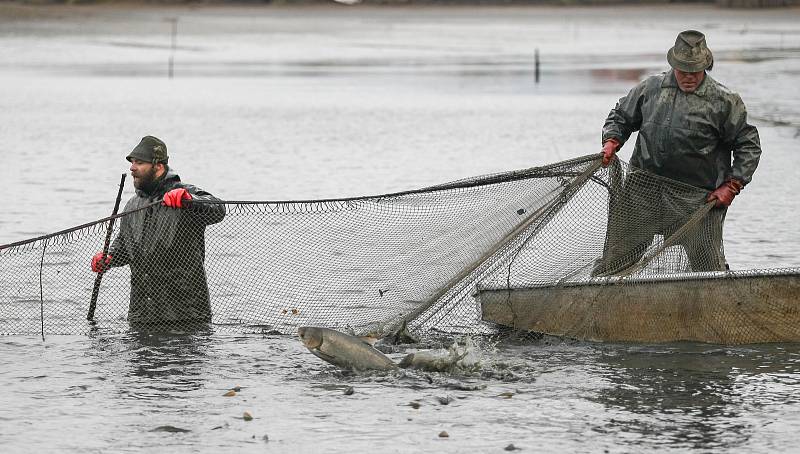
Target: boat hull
[719, 308]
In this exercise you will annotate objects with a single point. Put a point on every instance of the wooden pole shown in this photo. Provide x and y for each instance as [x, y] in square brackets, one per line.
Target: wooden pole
[99, 278]
[173, 46]
[570, 189]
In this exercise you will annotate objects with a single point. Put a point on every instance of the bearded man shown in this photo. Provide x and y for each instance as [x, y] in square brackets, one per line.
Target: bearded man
[692, 130]
[163, 243]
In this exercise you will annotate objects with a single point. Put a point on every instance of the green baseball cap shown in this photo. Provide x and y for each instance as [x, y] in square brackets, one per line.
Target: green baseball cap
[150, 149]
[690, 53]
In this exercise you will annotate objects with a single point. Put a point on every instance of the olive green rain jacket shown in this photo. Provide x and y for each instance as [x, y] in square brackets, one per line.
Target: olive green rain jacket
[165, 248]
[687, 137]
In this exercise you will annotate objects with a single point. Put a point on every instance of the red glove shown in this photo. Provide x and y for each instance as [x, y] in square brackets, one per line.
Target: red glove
[725, 193]
[175, 198]
[99, 265]
[610, 148]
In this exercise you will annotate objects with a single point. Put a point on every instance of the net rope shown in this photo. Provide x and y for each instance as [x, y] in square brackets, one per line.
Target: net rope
[366, 264]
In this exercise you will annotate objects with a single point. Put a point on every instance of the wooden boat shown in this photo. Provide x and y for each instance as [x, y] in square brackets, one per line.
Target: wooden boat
[733, 307]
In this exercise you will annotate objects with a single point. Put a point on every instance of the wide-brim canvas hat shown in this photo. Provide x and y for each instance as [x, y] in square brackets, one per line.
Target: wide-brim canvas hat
[150, 149]
[690, 53]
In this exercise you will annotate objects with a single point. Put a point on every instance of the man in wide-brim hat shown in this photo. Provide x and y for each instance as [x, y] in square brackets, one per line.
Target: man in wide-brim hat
[692, 129]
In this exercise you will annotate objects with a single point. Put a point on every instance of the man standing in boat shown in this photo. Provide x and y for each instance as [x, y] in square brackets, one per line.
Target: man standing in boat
[692, 130]
[163, 243]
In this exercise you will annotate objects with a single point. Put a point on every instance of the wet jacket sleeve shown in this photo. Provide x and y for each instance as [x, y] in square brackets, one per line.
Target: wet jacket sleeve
[626, 116]
[200, 208]
[743, 140]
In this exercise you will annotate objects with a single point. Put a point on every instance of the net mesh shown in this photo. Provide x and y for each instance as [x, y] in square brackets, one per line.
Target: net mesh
[366, 264]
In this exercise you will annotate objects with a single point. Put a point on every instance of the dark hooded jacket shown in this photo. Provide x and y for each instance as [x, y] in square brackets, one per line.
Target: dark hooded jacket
[165, 248]
[688, 137]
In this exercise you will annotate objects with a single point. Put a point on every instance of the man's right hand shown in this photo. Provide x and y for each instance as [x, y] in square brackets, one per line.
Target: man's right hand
[610, 148]
[101, 262]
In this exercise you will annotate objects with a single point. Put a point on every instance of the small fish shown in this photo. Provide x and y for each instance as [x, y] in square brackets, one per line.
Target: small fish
[444, 360]
[344, 350]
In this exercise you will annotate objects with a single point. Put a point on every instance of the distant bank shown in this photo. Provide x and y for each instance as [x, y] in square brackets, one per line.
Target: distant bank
[720, 3]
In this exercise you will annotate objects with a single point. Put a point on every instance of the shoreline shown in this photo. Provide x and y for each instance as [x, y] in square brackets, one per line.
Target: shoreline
[43, 8]
[27, 10]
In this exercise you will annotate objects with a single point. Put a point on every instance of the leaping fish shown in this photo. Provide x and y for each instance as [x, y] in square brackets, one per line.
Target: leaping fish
[344, 350]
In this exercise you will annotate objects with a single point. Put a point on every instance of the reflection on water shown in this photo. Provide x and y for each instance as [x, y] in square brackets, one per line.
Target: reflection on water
[688, 395]
[633, 75]
[164, 364]
[176, 358]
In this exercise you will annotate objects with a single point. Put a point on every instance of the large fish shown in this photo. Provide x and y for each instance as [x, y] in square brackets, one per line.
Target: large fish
[344, 350]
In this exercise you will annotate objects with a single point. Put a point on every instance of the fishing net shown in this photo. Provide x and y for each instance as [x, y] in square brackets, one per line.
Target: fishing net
[426, 258]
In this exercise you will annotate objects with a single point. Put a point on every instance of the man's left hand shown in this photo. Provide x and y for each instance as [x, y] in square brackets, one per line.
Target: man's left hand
[175, 198]
[725, 193]
[610, 148]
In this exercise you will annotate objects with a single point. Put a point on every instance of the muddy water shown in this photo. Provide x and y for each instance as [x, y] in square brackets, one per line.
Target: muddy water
[297, 103]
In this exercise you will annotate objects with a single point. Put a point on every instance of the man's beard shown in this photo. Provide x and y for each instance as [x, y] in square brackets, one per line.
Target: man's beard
[147, 181]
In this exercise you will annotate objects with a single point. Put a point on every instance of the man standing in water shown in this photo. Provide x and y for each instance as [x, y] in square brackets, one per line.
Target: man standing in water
[690, 126]
[164, 244]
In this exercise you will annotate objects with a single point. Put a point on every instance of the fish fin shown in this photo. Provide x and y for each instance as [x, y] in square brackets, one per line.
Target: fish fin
[326, 357]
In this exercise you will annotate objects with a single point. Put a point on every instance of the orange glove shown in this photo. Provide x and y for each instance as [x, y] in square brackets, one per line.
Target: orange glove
[610, 148]
[725, 193]
[175, 198]
[101, 262]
